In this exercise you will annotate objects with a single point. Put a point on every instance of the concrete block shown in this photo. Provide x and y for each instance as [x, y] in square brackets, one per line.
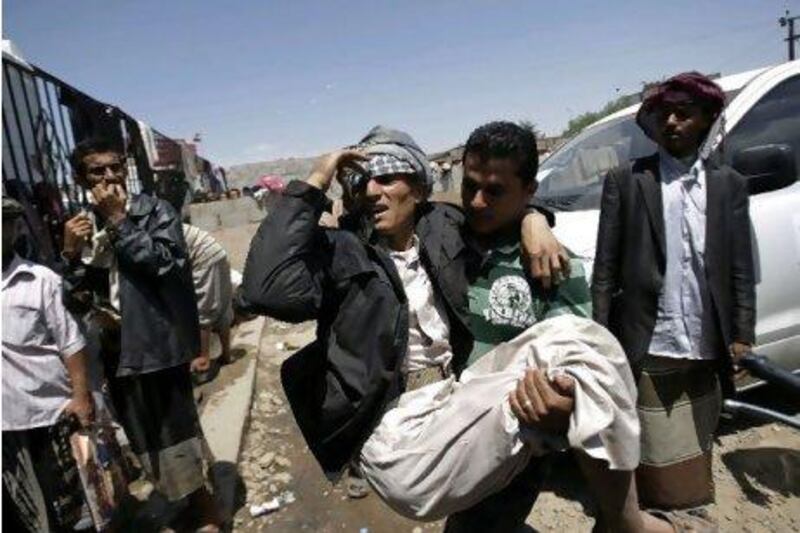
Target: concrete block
[213, 216]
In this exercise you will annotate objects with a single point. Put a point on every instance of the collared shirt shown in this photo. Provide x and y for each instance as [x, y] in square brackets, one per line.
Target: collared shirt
[503, 302]
[680, 330]
[100, 253]
[429, 327]
[38, 334]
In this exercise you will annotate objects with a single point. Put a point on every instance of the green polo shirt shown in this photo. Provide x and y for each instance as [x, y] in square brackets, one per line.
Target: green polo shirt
[503, 303]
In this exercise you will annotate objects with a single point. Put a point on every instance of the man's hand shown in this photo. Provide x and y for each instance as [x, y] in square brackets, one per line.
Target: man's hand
[542, 404]
[110, 201]
[326, 167]
[543, 256]
[81, 406]
[737, 351]
[77, 231]
[106, 319]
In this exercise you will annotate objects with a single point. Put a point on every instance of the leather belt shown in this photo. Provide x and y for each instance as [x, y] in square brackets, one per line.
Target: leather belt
[416, 379]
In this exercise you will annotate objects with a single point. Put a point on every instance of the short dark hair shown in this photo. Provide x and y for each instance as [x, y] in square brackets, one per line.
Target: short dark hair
[93, 145]
[506, 140]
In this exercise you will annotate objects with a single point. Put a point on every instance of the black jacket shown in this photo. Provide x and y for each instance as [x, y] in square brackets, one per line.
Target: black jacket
[630, 260]
[159, 326]
[339, 385]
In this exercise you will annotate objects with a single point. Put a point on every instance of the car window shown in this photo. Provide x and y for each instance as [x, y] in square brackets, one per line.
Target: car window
[775, 119]
[572, 178]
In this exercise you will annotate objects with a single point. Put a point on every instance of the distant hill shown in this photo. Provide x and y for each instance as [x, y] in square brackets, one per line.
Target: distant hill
[289, 169]
[298, 168]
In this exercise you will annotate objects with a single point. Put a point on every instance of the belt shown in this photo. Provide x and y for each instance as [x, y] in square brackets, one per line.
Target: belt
[416, 379]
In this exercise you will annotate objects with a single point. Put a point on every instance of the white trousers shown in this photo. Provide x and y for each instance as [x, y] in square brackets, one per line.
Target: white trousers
[444, 447]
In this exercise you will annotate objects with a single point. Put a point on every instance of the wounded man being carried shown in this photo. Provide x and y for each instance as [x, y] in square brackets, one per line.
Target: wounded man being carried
[387, 381]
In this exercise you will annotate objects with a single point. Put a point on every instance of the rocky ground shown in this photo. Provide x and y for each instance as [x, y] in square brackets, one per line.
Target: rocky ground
[756, 468]
[757, 471]
[275, 460]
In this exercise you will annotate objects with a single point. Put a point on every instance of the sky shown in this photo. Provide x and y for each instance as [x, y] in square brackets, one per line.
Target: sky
[264, 79]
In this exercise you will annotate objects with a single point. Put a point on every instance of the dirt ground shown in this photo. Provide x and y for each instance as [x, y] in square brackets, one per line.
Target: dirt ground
[756, 467]
[275, 459]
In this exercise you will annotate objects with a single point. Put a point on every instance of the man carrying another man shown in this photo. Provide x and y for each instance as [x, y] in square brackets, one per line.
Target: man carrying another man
[500, 163]
[389, 347]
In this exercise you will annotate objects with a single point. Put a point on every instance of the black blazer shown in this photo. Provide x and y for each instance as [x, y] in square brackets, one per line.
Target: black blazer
[630, 260]
[159, 328]
[339, 385]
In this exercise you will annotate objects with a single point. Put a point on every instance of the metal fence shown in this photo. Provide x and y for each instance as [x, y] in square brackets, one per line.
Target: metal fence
[43, 119]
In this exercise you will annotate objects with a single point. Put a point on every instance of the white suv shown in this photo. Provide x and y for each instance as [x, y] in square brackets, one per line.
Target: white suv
[759, 135]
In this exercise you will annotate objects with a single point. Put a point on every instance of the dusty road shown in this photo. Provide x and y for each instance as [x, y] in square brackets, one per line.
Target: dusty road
[756, 469]
[275, 459]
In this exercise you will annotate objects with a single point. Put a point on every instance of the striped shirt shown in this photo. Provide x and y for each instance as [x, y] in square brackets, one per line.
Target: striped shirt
[38, 334]
[204, 250]
[503, 302]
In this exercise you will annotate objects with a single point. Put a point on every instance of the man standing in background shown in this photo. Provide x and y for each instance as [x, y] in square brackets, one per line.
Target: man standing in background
[45, 392]
[128, 265]
[211, 274]
[673, 280]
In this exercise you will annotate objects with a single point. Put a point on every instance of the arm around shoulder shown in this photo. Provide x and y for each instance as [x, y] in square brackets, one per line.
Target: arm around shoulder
[537, 206]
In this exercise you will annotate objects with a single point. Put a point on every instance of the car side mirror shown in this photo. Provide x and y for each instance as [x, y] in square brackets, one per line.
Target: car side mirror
[767, 168]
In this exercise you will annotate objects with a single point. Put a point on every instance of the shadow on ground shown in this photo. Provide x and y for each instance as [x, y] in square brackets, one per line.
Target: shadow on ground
[776, 469]
[565, 480]
[229, 488]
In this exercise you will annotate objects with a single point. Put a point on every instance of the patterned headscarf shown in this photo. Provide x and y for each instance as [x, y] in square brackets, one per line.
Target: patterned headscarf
[395, 152]
[698, 87]
[384, 164]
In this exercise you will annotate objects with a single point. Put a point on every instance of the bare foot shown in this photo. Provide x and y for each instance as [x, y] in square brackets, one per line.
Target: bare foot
[669, 521]
[644, 523]
[654, 524]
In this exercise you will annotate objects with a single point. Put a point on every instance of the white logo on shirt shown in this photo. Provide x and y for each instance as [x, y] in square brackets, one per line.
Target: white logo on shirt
[510, 302]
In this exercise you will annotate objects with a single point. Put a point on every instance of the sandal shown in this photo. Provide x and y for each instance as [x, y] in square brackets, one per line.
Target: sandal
[357, 486]
[686, 521]
[204, 376]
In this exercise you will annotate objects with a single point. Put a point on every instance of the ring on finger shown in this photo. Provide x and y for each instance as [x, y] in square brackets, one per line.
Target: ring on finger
[528, 404]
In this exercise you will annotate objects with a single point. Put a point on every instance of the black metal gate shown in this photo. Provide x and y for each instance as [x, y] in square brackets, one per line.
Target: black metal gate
[43, 119]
